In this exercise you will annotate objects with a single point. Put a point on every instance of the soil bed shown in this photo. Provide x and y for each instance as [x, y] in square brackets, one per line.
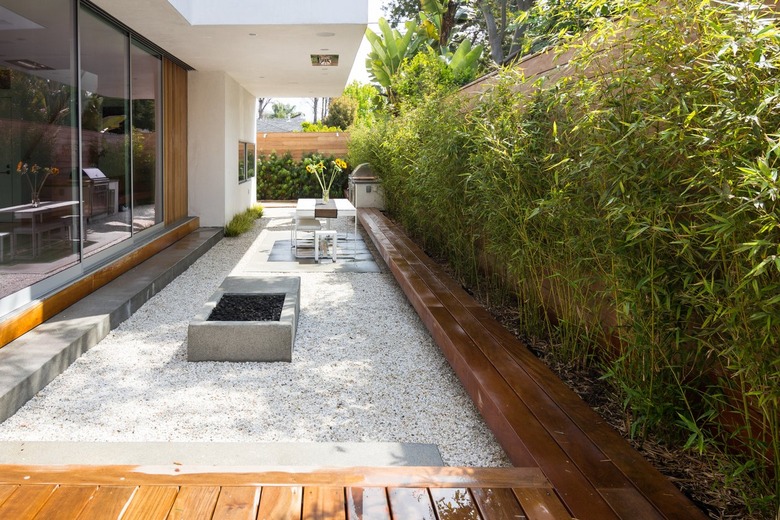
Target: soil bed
[248, 307]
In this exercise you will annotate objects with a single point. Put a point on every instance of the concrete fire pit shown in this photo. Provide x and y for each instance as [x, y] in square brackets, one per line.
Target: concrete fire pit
[247, 340]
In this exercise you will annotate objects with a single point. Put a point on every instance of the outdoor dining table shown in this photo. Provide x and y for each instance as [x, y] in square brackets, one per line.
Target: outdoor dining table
[35, 215]
[334, 208]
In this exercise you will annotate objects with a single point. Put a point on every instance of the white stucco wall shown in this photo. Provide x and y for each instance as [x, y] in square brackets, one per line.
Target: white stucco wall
[221, 113]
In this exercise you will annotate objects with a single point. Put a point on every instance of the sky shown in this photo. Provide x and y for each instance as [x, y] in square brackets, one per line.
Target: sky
[358, 69]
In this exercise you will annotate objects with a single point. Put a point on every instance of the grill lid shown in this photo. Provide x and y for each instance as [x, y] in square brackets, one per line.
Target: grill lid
[363, 172]
[95, 175]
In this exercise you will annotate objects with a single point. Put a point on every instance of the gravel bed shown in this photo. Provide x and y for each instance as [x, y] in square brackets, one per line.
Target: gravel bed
[364, 370]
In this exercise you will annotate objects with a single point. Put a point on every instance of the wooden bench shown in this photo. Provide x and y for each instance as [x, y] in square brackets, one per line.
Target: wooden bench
[537, 419]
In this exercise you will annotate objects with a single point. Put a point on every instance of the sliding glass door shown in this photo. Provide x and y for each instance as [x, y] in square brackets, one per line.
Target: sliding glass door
[80, 144]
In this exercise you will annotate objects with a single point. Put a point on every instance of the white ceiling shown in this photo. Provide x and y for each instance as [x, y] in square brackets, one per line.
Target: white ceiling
[265, 45]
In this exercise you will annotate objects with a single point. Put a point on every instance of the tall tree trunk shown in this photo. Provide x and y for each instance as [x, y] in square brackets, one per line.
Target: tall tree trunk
[447, 23]
[316, 106]
[520, 5]
[324, 108]
[495, 35]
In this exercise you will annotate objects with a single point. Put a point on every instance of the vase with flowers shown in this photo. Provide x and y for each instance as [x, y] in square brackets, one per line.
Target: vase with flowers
[326, 174]
[32, 173]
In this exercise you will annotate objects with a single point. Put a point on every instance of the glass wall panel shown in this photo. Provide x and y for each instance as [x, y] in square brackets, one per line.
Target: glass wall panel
[105, 132]
[146, 88]
[39, 202]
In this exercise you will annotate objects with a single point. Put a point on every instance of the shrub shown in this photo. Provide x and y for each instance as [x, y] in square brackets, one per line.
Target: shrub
[282, 178]
[243, 222]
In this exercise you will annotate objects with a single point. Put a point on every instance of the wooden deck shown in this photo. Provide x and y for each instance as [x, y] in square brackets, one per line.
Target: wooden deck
[149, 493]
[537, 419]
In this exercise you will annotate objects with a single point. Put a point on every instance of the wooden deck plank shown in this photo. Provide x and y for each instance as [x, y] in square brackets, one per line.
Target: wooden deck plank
[194, 502]
[368, 503]
[6, 490]
[630, 503]
[66, 502]
[540, 504]
[589, 458]
[280, 503]
[323, 503]
[579, 493]
[644, 477]
[390, 476]
[107, 502]
[498, 504]
[237, 503]
[151, 503]
[411, 503]
[454, 504]
[26, 501]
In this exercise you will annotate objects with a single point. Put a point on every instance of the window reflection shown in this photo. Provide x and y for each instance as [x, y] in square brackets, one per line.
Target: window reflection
[39, 206]
[147, 179]
[105, 133]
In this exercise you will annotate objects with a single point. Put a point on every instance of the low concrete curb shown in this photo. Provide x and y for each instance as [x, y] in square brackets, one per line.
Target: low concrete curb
[327, 454]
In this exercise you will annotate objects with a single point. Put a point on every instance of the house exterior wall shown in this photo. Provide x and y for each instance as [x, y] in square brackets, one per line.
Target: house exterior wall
[221, 113]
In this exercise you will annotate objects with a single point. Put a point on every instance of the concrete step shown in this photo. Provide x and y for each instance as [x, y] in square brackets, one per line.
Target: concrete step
[33, 360]
[342, 454]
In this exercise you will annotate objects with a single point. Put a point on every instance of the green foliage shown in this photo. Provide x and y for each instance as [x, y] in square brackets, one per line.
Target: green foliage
[243, 222]
[368, 100]
[281, 178]
[551, 22]
[424, 76]
[632, 211]
[389, 50]
[283, 111]
[318, 127]
[341, 113]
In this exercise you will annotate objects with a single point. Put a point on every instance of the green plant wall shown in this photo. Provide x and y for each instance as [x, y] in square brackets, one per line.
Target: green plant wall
[631, 209]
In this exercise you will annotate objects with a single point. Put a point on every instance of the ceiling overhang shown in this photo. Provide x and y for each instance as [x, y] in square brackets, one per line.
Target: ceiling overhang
[265, 45]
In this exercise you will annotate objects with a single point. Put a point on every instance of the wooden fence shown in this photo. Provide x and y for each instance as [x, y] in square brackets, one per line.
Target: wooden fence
[299, 143]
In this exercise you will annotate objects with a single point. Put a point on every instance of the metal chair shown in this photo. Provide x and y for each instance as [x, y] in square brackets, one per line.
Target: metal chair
[304, 225]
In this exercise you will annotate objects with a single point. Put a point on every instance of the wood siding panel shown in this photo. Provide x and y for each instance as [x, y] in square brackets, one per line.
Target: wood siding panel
[299, 143]
[174, 141]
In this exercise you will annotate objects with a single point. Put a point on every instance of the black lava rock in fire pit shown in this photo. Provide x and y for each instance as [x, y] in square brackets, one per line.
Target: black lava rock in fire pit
[248, 307]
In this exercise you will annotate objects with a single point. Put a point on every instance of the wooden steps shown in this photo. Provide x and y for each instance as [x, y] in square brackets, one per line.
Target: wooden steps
[537, 419]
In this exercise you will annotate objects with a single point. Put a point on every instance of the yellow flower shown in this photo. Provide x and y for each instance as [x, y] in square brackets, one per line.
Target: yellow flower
[20, 166]
[55, 170]
[341, 164]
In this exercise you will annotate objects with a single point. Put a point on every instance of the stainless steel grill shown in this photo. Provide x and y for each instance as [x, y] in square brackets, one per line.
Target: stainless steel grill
[95, 193]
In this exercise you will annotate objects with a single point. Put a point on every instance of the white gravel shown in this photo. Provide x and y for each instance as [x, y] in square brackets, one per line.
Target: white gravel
[364, 369]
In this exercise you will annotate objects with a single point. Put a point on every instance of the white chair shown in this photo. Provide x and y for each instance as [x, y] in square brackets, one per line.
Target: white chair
[321, 239]
[304, 225]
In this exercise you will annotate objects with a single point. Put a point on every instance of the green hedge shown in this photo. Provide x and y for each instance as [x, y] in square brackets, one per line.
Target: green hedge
[632, 210]
[280, 177]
